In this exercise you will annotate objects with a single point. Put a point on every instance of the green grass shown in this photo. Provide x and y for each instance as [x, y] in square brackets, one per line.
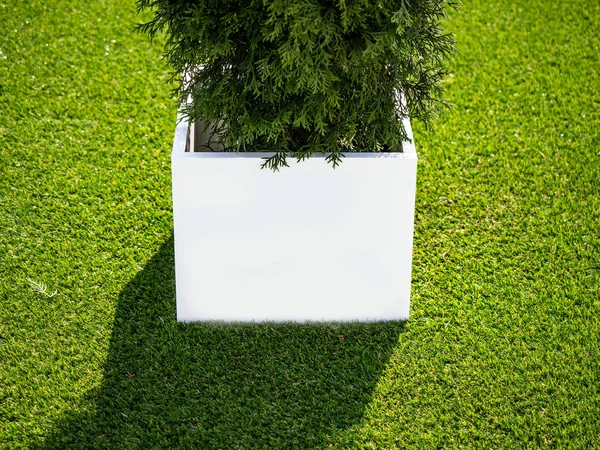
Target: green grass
[502, 349]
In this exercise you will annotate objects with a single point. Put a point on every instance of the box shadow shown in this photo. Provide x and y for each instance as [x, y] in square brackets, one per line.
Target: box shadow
[212, 385]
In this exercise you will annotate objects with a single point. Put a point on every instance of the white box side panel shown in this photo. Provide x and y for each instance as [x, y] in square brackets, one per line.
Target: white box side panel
[306, 243]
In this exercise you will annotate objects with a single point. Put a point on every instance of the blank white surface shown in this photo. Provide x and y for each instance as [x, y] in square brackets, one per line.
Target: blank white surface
[308, 243]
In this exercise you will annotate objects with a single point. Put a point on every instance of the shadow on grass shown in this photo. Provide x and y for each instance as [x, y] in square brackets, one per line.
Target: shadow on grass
[171, 385]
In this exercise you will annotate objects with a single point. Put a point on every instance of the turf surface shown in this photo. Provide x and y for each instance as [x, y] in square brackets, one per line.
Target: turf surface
[503, 345]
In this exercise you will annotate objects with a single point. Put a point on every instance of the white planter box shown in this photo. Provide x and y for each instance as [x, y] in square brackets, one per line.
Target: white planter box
[307, 243]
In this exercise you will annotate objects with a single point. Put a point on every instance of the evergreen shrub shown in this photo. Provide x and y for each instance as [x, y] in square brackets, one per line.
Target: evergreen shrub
[296, 77]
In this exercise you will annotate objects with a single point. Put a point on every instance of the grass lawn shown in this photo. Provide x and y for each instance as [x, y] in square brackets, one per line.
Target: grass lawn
[502, 349]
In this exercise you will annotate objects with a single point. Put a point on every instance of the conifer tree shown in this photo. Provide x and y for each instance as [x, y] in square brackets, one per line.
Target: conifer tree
[296, 77]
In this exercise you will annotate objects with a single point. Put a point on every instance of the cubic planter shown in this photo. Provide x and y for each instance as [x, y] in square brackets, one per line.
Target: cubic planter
[307, 243]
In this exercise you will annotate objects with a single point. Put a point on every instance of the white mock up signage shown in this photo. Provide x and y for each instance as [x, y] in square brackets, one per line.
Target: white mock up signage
[307, 243]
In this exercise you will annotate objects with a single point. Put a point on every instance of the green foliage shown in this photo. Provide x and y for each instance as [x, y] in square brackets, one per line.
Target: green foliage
[304, 76]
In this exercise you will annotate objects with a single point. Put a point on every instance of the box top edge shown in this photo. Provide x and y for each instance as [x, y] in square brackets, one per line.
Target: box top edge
[180, 143]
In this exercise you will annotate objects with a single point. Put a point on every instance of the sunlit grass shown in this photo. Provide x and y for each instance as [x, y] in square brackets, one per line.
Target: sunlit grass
[502, 347]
